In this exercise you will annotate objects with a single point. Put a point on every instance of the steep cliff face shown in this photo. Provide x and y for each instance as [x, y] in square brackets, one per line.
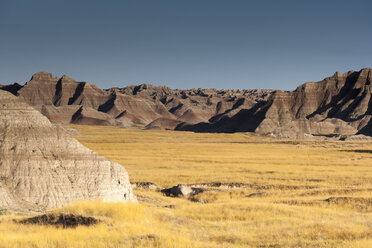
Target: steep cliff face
[63, 100]
[42, 166]
[338, 105]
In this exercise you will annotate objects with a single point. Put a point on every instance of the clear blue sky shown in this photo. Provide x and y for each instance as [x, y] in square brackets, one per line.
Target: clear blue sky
[183, 44]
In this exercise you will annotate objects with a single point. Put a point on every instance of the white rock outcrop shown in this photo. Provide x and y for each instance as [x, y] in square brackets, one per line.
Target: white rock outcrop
[42, 166]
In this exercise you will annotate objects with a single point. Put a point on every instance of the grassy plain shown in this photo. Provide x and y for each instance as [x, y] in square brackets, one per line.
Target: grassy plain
[310, 194]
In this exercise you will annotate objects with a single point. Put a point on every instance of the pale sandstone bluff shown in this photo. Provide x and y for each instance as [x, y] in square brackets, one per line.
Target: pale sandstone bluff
[42, 166]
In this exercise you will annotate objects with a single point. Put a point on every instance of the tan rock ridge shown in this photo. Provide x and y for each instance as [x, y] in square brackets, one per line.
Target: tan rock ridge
[42, 166]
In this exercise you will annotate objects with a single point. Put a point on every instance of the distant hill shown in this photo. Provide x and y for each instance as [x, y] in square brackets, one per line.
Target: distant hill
[339, 105]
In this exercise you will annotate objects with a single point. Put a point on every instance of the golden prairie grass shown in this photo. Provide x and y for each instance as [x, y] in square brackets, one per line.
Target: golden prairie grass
[122, 225]
[294, 194]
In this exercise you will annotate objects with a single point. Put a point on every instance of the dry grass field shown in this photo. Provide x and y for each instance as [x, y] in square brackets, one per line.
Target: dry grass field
[263, 193]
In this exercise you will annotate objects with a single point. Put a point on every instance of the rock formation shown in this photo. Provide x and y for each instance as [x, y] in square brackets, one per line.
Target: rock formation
[64, 100]
[339, 105]
[42, 166]
[182, 190]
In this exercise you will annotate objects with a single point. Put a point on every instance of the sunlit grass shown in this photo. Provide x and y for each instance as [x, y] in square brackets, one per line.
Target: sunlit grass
[122, 225]
[295, 181]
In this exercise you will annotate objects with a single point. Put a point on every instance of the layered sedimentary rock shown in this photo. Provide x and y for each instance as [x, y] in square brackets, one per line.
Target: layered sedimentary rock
[42, 166]
[338, 105]
[63, 100]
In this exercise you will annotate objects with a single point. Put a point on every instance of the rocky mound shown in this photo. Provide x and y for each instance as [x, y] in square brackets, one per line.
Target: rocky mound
[42, 166]
[181, 190]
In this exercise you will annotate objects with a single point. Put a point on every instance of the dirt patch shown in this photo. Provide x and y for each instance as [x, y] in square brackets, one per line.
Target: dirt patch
[359, 151]
[219, 185]
[346, 199]
[255, 194]
[170, 206]
[145, 185]
[142, 198]
[64, 220]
